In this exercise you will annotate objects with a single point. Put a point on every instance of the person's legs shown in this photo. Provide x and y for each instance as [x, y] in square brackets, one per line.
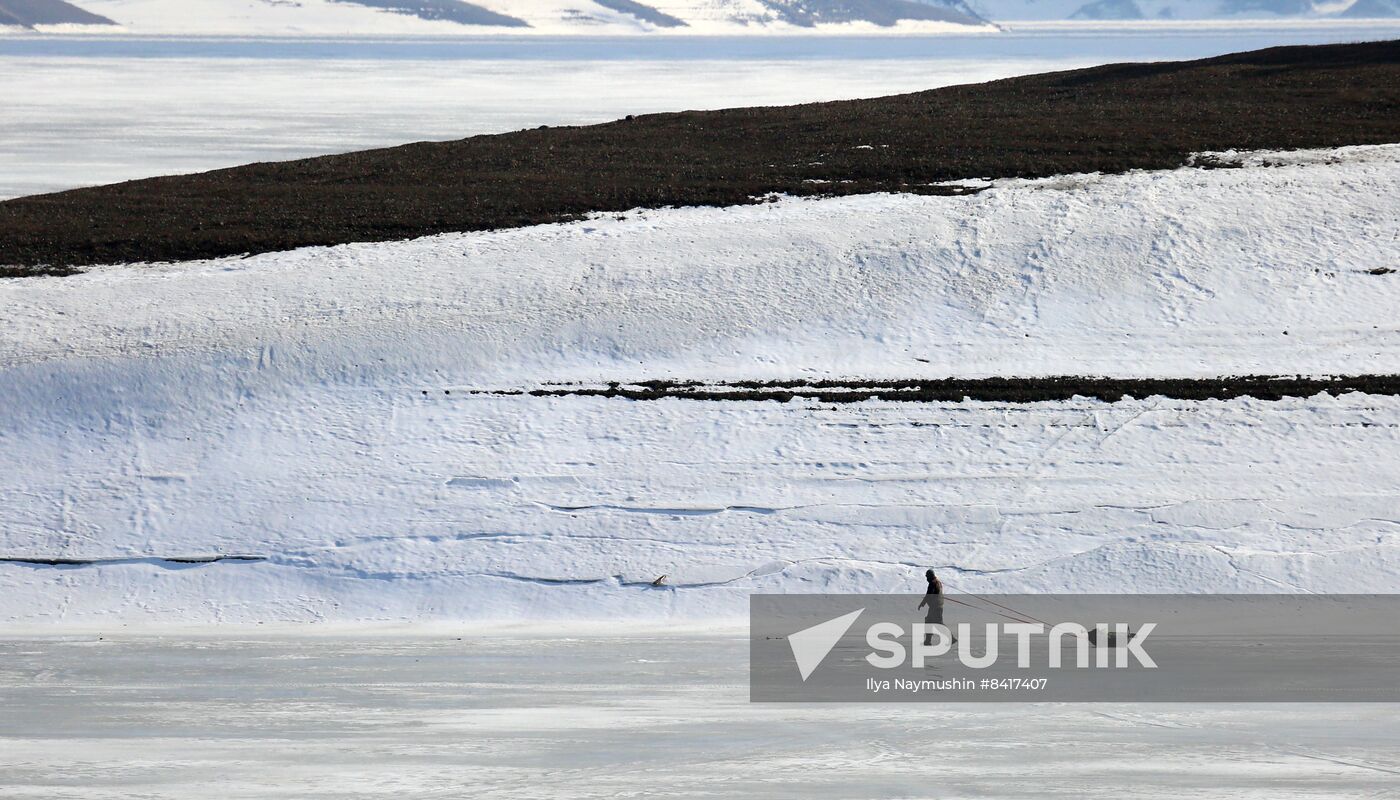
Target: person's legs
[933, 618]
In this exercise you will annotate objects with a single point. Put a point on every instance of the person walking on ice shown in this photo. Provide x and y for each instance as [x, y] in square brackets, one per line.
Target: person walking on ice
[933, 601]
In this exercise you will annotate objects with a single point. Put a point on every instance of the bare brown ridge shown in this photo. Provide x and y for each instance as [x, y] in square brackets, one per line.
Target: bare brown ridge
[1105, 119]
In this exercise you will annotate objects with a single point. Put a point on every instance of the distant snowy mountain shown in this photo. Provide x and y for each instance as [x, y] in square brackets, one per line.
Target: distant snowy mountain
[1373, 9]
[613, 17]
[33, 13]
[1012, 10]
[811, 13]
[331, 17]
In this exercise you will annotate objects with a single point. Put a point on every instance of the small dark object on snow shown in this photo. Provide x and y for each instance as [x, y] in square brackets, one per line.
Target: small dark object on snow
[1379, 271]
[661, 581]
[1112, 638]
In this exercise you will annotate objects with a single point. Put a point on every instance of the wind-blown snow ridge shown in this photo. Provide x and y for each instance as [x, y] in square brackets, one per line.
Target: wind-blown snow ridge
[314, 407]
[1178, 273]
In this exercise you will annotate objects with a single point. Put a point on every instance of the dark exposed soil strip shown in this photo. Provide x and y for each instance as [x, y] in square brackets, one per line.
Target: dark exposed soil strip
[1003, 390]
[644, 13]
[97, 562]
[1105, 119]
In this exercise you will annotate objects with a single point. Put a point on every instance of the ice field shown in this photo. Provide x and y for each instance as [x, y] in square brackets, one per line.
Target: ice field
[570, 715]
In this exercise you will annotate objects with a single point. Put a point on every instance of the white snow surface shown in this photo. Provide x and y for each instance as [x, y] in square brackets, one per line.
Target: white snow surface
[314, 407]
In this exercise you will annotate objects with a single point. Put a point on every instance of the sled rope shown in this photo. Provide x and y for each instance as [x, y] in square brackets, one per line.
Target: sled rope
[1021, 616]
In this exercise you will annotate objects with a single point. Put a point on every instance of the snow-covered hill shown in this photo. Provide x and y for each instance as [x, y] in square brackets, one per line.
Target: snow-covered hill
[312, 411]
[481, 17]
[1167, 10]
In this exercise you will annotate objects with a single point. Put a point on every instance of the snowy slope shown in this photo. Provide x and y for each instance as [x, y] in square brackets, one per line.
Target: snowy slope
[554, 17]
[313, 408]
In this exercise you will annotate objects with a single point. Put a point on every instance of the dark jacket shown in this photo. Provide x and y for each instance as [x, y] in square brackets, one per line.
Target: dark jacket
[933, 600]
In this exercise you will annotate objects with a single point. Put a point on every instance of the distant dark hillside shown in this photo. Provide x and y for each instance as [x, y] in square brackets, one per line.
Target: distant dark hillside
[447, 10]
[881, 12]
[1109, 119]
[643, 12]
[28, 13]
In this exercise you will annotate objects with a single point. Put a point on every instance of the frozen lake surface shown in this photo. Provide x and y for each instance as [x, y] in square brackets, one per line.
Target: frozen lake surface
[425, 716]
[91, 110]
